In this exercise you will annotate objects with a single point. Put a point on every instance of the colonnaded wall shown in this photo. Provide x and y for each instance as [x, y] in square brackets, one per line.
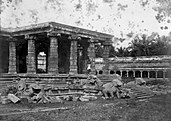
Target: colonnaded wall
[143, 66]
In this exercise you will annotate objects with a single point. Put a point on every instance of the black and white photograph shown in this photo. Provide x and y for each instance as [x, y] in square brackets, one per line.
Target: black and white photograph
[85, 60]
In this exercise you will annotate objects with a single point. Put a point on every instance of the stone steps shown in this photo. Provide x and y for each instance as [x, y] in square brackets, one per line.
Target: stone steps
[141, 93]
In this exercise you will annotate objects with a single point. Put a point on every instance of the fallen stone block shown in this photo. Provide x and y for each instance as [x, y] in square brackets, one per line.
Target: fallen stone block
[24, 100]
[35, 86]
[58, 99]
[13, 98]
[83, 99]
[55, 99]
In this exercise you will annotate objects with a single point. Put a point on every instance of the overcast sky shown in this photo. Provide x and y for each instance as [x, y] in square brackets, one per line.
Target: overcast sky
[117, 17]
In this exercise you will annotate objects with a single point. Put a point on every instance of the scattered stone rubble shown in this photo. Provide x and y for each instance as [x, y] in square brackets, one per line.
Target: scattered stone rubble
[79, 90]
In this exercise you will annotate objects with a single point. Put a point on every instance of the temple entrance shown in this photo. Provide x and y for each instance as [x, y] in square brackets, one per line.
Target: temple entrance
[42, 55]
[82, 56]
[4, 54]
[63, 55]
[21, 53]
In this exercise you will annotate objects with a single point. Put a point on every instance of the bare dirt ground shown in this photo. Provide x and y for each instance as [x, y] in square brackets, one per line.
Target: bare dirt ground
[157, 108]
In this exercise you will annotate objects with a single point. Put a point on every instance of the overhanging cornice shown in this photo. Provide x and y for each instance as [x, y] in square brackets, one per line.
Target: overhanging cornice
[57, 27]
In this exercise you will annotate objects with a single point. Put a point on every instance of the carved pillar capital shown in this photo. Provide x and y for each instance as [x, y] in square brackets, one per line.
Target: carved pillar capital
[74, 37]
[11, 39]
[30, 37]
[53, 34]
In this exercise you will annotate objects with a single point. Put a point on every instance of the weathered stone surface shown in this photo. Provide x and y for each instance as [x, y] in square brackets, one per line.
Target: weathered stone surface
[21, 85]
[12, 57]
[13, 98]
[31, 58]
[91, 55]
[53, 56]
[106, 60]
[73, 57]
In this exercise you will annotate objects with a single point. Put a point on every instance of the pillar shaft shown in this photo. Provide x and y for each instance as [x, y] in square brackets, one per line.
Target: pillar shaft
[106, 60]
[156, 74]
[141, 74]
[31, 57]
[53, 56]
[127, 74]
[12, 58]
[121, 73]
[148, 74]
[91, 55]
[85, 59]
[133, 73]
[164, 72]
[73, 56]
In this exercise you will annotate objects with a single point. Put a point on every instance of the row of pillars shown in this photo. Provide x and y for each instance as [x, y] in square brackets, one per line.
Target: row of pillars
[141, 73]
[31, 68]
[53, 55]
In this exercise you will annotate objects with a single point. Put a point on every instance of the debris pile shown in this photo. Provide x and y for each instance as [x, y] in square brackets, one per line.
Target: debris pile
[37, 93]
[75, 90]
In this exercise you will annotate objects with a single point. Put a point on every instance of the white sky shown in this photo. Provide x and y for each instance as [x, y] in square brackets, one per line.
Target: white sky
[117, 17]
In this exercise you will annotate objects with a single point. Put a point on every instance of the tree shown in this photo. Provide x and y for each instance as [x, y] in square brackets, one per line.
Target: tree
[121, 52]
[150, 45]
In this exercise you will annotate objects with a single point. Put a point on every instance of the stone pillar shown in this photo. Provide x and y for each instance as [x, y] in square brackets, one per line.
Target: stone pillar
[141, 74]
[127, 74]
[73, 54]
[31, 57]
[53, 54]
[148, 74]
[156, 73]
[12, 56]
[121, 73]
[92, 55]
[106, 60]
[133, 73]
[164, 72]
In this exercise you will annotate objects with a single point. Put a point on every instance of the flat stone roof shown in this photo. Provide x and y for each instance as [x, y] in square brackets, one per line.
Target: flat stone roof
[58, 28]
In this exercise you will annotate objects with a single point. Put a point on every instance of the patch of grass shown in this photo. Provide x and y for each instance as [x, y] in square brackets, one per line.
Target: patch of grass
[104, 110]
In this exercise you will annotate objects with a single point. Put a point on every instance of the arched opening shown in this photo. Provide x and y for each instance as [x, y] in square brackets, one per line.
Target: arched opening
[118, 72]
[137, 74]
[152, 74]
[145, 74]
[112, 72]
[130, 74]
[160, 74]
[100, 72]
[124, 74]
